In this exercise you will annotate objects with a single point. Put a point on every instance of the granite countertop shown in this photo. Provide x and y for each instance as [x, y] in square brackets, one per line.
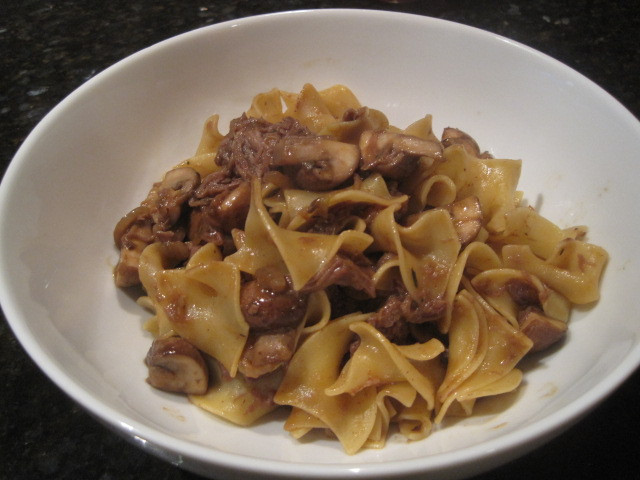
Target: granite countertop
[51, 47]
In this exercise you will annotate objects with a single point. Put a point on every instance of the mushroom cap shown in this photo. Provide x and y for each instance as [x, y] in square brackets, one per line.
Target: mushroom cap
[176, 366]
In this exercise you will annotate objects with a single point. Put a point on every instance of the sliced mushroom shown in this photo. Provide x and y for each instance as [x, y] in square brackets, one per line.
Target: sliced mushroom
[131, 235]
[177, 366]
[166, 198]
[318, 163]
[542, 330]
[126, 272]
[391, 318]
[234, 205]
[454, 136]
[467, 218]
[266, 352]
[395, 155]
[128, 221]
[181, 180]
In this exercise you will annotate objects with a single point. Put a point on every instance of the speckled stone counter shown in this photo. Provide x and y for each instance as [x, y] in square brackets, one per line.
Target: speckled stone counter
[48, 48]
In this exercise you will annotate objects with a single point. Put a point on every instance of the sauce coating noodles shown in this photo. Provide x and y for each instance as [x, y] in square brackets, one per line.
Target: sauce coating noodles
[366, 277]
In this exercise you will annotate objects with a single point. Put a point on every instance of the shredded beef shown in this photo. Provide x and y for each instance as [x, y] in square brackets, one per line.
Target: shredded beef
[335, 219]
[400, 311]
[390, 319]
[248, 148]
[342, 270]
[219, 205]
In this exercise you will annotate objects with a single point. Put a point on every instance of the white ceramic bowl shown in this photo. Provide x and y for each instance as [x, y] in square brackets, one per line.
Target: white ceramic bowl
[96, 154]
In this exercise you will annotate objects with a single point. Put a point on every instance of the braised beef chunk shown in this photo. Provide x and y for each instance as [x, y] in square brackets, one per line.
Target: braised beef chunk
[391, 318]
[356, 273]
[333, 220]
[542, 330]
[523, 293]
[396, 317]
[248, 149]
[219, 205]
[270, 303]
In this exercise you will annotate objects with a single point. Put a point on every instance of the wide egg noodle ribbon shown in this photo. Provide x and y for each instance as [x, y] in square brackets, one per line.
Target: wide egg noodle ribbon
[338, 99]
[202, 305]
[318, 312]
[468, 344]
[432, 191]
[574, 269]
[255, 248]
[492, 285]
[475, 257]
[304, 254]
[372, 191]
[238, 399]
[315, 366]
[310, 109]
[204, 160]
[505, 347]
[427, 250]
[389, 399]
[414, 422]
[387, 274]
[154, 259]
[299, 423]
[493, 181]
[350, 130]
[267, 105]
[525, 226]
[377, 361]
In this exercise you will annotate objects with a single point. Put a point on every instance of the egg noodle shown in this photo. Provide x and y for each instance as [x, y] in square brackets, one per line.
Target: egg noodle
[367, 298]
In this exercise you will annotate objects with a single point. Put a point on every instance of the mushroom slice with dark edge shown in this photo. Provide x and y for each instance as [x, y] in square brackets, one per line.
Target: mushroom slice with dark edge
[166, 198]
[542, 330]
[265, 352]
[131, 235]
[152, 221]
[467, 218]
[176, 366]
[318, 163]
[342, 270]
[454, 136]
[395, 155]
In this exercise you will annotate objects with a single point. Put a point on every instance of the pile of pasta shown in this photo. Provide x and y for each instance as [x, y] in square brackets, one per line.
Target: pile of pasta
[346, 376]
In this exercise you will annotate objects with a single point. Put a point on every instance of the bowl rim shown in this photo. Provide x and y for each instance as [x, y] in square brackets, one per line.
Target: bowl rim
[150, 439]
